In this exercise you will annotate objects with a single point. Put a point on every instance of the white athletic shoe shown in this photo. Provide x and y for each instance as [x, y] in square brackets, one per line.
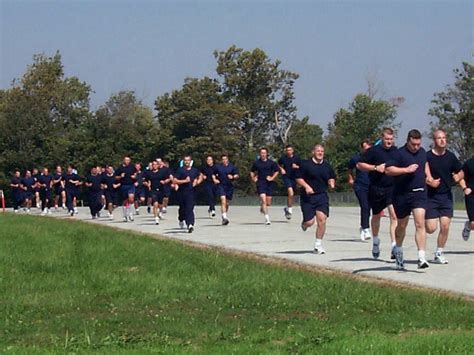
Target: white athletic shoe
[63, 206]
[137, 211]
[423, 264]
[439, 258]
[225, 221]
[43, 212]
[130, 218]
[365, 234]
[163, 210]
[466, 231]
[160, 215]
[267, 221]
[157, 220]
[319, 250]
[111, 216]
[212, 214]
[125, 219]
[399, 260]
[48, 211]
[16, 211]
[76, 211]
[181, 224]
[190, 228]
[287, 212]
[28, 211]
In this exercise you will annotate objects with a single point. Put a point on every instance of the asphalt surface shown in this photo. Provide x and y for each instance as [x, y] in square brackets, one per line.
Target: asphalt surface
[344, 250]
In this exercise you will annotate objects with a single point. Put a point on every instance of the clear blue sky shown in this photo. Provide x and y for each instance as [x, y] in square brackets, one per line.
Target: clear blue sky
[151, 46]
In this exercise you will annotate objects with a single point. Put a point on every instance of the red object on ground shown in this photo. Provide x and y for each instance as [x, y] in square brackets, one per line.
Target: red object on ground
[3, 200]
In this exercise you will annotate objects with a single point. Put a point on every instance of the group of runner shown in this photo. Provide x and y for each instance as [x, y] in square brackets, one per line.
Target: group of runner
[405, 181]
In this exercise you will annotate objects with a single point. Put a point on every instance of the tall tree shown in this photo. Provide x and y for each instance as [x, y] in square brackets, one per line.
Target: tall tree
[453, 111]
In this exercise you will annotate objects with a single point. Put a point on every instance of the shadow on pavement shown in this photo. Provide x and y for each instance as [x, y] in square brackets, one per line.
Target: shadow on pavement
[385, 268]
[295, 252]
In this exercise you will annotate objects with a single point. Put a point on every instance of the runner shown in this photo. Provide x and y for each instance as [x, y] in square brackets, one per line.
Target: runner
[17, 192]
[36, 190]
[467, 185]
[226, 174]
[140, 196]
[111, 187]
[59, 191]
[207, 171]
[45, 182]
[126, 174]
[155, 180]
[408, 166]
[27, 184]
[381, 187]
[72, 183]
[444, 171]
[186, 179]
[94, 182]
[288, 164]
[167, 187]
[264, 171]
[315, 176]
[360, 183]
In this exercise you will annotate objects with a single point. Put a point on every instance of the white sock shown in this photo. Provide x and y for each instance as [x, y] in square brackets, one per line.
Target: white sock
[439, 251]
[319, 243]
[124, 211]
[267, 216]
[376, 240]
[394, 244]
[290, 209]
[421, 254]
[224, 215]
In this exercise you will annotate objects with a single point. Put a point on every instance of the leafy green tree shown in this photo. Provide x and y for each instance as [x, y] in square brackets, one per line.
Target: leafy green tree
[364, 118]
[304, 135]
[453, 111]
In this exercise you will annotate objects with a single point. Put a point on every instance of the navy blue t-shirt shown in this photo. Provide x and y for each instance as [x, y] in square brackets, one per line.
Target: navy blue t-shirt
[45, 181]
[442, 167]
[377, 155]
[57, 179]
[96, 180]
[15, 181]
[315, 175]
[208, 171]
[362, 177]
[109, 181]
[28, 182]
[155, 178]
[287, 163]
[264, 169]
[129, 171]
[223, 171]
[468, 169]
[139, 177]
[68, 178]
[408, 182]
[183, 173]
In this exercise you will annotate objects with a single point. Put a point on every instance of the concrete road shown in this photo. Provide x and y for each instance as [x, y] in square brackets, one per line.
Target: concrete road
[345, 252]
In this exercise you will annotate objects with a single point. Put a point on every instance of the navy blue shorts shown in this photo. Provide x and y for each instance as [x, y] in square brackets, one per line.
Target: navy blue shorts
[289, 182]
[157, 196]
[45, 194]
[469, 200]
[167, 190]
[140, 192]
[265, 187]
[439, 205]
[126, 190]
[110, 197]
[404, 203]
[227, 191]
[28, 195]
[380, 198]
[58, 190]
[312, 203]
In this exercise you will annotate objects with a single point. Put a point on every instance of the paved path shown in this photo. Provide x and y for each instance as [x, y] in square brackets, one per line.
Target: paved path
[345, 252]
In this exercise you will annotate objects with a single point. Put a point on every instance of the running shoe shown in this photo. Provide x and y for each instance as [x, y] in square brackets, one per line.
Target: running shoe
[423, 264]
[157, 220]
[319, 250]
[225, 221]
[190, 228]
[376, 248]
[288, 214]
[303, 227]
[399, 261]
[466, 231]
[439, 258]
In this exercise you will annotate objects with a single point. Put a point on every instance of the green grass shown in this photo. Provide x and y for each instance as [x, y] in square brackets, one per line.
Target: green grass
[76, 287]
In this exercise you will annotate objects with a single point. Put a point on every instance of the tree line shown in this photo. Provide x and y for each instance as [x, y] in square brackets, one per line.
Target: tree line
[46, 118]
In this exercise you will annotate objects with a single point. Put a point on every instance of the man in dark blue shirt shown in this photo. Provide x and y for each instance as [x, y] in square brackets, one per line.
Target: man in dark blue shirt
[226, 174]
[155, 180]
[264, 171]
[72, 183]
[45, 182]
[381, 186]
[126, 175]
[360, 183]
[167, 187]
[409, 195]
[59, 191]
[467, 184]
[94, 182]
[27, 184]
[288, 164]
[36, 190]
[139, 188]
[111, 187]
[15, 185]
[443, 173]
[315, 176]
[208, 170]
[187, 178]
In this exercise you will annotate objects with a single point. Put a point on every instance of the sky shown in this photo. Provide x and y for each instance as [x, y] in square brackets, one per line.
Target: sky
[410, 47]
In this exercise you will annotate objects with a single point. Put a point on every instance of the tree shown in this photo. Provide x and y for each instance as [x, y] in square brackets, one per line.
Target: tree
[304, 135]
[453, 111]
[364, 118]
[264, 91]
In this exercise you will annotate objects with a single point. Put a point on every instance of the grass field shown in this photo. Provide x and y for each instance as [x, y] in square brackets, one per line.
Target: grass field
[76, 287]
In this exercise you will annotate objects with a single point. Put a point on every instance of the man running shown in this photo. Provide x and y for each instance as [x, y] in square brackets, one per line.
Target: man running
[186, 179]
[444, 171]
[45, 182]
[15, 185]
[381, 186]
[167, 187]
[264, 171]
[360, 183]
[72, 183]
[94, 182]
[140, 195]
[467, 184]
[226, 174]
[126, 174]
[409, 195]
[207, 171]
[315, 176]
[288, 164]
[36, 190]
[155, 180]
[59, 191]
[27, 184]
[111, 187]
